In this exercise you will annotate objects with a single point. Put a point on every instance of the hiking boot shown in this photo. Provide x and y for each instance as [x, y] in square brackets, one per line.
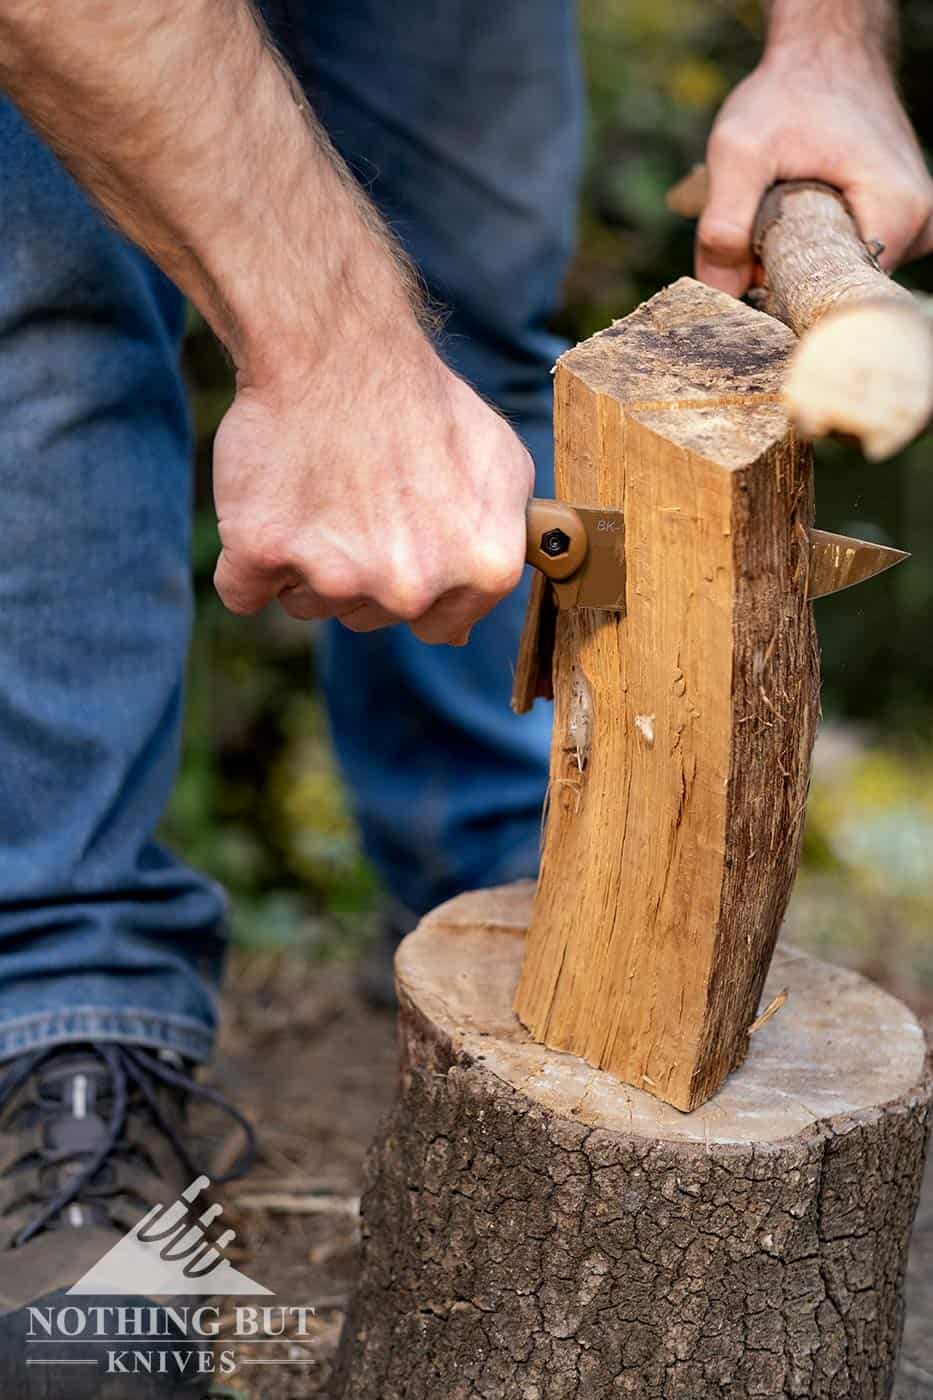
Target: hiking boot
[92, 1138]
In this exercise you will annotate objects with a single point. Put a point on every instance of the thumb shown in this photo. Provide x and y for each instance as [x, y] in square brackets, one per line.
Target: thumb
[737, 181]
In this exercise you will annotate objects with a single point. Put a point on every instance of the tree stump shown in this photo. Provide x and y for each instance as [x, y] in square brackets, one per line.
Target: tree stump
[536, 1230]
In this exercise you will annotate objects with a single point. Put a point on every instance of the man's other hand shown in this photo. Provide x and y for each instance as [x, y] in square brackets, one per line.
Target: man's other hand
[374, 487]
[826, 109]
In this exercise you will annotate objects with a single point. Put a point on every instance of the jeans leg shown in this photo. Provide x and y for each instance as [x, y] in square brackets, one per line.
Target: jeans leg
[464, 120]
[103, 933]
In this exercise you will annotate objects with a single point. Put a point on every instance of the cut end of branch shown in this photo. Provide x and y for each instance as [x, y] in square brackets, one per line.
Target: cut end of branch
[865, 371]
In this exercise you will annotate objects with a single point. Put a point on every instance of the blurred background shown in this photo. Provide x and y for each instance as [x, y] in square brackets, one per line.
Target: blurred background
[259, 803]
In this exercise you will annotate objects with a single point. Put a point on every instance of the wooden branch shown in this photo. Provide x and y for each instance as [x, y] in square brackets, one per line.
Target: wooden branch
[813, 257]
[682, 732]
[533, 1228]
[865, 364]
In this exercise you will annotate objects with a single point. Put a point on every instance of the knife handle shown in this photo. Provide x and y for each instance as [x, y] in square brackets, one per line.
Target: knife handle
[556, 541]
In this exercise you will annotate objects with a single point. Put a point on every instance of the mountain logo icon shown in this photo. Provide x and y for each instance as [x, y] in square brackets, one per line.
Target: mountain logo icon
[169, 1253]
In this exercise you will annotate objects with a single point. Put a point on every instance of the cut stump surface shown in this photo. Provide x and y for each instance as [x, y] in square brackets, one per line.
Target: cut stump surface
[536, 1230]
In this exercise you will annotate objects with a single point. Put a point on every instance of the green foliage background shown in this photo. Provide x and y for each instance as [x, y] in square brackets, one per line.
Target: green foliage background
[258, 802]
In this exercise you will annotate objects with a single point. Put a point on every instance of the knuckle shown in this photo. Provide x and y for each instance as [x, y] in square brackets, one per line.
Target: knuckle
[497, 570]
[333, 580]
[731, 142]
[230, 588]
[409, 599]
[261, 549]
[265, 561]
[270, 563]
[718, 235]
[234, 599]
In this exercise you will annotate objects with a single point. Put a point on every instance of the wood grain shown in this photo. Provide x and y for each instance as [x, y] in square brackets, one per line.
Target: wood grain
[682, 733]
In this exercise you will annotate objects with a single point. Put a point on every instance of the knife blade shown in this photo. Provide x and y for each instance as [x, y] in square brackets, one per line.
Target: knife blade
[838, 562]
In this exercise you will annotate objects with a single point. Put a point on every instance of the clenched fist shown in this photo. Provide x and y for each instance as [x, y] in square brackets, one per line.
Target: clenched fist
[824, 107]
[375, 487]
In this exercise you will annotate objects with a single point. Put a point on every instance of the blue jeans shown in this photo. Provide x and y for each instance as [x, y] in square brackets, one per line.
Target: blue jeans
[463, 120]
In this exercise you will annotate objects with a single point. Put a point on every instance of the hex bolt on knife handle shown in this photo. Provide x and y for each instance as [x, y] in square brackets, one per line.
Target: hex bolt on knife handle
[556, 540]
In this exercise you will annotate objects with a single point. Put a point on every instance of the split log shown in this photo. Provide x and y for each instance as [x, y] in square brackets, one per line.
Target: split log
[683, 728]
[864, 367]
[534, 1230]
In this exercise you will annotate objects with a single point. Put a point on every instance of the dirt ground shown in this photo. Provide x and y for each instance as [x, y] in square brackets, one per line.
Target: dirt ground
[315, 1069]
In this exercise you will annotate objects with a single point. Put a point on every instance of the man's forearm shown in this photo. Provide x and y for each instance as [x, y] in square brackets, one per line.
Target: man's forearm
[355, 476]
[868, 24]
[180, 120]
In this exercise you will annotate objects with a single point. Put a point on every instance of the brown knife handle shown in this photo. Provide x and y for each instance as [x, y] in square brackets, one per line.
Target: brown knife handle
[556, 541]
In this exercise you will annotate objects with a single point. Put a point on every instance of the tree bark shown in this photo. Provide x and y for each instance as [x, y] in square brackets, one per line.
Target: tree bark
[683, 728]
[534, 1230]
[814, 258]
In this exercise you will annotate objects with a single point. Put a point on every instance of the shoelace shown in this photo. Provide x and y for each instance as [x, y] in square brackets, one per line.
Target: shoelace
[129, 1067]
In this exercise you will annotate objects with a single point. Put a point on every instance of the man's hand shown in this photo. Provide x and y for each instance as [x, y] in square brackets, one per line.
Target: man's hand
[378, 488]
[822, 105]
[355, 476]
